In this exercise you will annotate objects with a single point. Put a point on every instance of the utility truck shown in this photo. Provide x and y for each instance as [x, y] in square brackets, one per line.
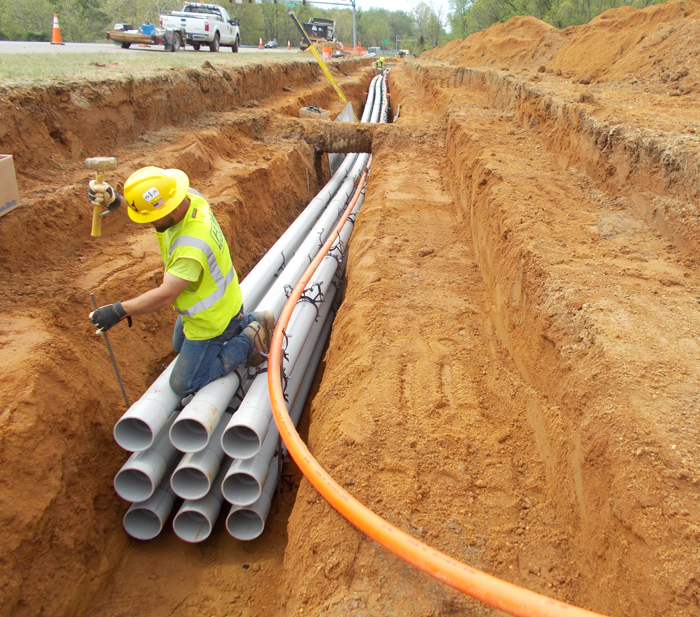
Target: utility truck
[205, 24]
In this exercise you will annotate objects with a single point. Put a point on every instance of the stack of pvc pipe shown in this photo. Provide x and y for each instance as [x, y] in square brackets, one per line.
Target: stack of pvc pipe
[195, 449]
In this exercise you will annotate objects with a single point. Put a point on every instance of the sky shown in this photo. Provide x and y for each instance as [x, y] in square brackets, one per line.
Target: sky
[398, 5]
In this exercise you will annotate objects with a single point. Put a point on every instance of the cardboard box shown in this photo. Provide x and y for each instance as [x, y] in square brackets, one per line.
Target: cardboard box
[9, 195]
[305, 112]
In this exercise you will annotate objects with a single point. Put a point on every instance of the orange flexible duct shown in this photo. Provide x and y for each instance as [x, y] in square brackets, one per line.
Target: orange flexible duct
[488, 589]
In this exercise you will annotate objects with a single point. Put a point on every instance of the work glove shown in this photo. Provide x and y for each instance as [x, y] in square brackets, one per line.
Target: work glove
[107, 316]
[103, 195]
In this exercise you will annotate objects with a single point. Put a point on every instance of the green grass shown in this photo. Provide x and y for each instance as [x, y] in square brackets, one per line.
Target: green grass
[37, 68]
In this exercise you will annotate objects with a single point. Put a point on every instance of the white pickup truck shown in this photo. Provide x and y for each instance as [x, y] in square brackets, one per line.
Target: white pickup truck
[205, 24]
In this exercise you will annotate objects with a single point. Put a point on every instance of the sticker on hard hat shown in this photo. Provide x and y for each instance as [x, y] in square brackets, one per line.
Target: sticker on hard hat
[153, 197]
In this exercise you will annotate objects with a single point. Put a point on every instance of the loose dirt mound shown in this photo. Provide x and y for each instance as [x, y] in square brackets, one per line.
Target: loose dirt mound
[655, 44]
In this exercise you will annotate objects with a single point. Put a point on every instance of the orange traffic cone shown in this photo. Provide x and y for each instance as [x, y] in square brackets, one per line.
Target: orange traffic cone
[289, 46]
[260, 43]
[56, 34]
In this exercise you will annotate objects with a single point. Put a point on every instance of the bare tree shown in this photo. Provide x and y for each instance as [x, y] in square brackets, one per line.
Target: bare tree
[429, 21]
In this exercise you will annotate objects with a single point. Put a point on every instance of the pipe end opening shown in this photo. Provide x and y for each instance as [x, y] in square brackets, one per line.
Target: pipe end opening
[133, 434]
[142, 524]
[133, 485]
[189, 435]
[190, 483]
[240, 442]
[241, 489]
[191, 527]
[244, 524]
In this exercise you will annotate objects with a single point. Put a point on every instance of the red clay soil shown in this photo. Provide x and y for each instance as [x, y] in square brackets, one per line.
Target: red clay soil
[513, 376]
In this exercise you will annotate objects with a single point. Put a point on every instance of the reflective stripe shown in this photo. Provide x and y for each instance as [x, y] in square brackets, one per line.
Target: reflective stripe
[220, 281]
[210, 300]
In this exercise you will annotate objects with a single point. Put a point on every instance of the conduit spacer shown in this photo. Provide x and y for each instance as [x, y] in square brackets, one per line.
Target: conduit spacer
[500, 594]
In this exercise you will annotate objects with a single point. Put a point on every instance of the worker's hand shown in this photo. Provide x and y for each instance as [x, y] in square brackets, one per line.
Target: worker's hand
[107, 316]
[102, 195]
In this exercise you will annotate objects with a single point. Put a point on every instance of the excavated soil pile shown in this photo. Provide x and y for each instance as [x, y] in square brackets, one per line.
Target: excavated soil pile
[513, 376]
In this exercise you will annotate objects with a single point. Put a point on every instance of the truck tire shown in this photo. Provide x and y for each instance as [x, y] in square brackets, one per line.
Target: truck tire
[125, 45]
[214, 45]
[177, 43]
[196, 46]
[234, 47]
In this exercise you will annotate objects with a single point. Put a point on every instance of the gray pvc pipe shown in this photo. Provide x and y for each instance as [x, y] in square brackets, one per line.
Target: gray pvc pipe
[136, 429]
[196, 518]
[305, 313]
[249, 522]
[145, 520]
[262, 276]
[244, 479]
[193, 428]
[143, 472]
[310, 373]
[369, 103]
[276, 297]
[194, 475]
[248, 428]
[243, 482]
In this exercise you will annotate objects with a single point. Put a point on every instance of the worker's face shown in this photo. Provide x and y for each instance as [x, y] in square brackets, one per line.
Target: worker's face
[163, 224]
[173, 218]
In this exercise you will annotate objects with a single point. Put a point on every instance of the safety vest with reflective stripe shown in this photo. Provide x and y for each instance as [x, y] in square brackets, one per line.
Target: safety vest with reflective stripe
[208, 307]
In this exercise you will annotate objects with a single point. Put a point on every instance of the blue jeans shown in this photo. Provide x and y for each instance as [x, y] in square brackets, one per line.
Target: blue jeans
[201, 362]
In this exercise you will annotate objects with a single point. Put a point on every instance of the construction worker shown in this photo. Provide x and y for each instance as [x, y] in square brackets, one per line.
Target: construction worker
[379, 65]
[212, 334]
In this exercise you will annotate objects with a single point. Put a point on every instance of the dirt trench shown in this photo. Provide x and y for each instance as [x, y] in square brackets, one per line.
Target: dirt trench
[63, 546]
[512, 377]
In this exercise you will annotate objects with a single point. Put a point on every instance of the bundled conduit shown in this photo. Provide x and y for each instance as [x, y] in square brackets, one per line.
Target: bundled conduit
[222, 444]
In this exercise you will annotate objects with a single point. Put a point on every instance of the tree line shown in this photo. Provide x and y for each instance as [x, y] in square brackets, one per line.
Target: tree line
[425, 26]
[88, 20]
[469, 16]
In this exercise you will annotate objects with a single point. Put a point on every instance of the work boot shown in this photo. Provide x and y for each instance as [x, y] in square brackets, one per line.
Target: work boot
[257, 334]
[267, 320]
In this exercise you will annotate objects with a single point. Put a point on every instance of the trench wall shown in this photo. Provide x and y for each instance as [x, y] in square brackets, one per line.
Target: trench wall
[608, 454]
[59, 398]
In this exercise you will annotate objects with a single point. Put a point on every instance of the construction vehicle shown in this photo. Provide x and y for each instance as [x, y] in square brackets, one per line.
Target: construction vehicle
[126, 36]
[318, 30]
[205, 24]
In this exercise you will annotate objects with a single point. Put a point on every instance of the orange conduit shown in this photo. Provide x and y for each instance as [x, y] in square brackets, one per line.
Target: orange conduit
[488, 589]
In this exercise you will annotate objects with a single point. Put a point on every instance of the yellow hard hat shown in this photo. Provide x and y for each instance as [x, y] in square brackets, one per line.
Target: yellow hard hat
[382, 58]
[152, 193]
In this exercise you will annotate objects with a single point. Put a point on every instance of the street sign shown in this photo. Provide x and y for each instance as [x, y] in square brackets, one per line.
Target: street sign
[385, 42]
[291, 4]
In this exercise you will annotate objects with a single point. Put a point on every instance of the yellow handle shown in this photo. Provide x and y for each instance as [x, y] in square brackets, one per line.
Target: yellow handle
[96, 218]
[96, 221]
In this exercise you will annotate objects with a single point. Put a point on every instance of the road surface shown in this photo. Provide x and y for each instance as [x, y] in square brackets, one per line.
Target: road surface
[23, 47]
